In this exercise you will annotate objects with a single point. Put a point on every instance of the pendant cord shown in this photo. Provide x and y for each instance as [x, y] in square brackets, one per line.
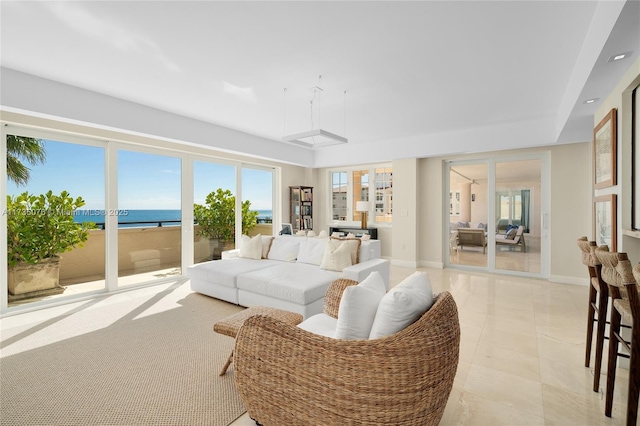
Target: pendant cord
[345, 113]
[284, 112]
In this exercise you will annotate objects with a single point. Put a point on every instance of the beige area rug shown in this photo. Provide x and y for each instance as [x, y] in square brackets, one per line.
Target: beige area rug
[125, 359]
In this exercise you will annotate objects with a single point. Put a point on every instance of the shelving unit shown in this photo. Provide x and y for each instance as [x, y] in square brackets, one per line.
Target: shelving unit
[301, 207]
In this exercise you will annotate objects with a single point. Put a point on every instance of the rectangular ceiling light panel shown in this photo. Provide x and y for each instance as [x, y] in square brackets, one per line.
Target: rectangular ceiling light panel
[315, 138]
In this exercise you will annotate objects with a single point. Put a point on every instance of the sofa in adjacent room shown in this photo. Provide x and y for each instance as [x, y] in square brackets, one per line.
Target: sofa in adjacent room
[287, 272]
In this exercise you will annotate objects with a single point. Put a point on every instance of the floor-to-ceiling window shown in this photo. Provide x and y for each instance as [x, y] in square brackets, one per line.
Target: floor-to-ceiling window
[214, 188]
[257, 200]
[149, 216]
[55, 217]
[119, 209]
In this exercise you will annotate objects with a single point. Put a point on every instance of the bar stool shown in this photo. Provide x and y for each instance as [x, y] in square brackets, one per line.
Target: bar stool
[598, 304]
[618, 274]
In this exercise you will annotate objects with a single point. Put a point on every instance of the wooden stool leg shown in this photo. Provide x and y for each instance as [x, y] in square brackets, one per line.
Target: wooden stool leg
[227, 364]
[590, 318]
[634, 379]
[603, 301]
[614, 331]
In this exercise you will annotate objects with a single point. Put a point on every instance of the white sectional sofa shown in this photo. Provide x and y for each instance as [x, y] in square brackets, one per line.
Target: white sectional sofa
[287, 276]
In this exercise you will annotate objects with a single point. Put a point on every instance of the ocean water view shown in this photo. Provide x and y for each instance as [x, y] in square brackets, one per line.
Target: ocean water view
[146, 218]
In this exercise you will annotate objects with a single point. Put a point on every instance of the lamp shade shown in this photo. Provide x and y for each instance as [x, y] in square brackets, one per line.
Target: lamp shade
[362, 206]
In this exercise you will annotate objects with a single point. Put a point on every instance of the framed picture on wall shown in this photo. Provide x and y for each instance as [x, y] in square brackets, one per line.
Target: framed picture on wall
[604, 221]
[604, 151]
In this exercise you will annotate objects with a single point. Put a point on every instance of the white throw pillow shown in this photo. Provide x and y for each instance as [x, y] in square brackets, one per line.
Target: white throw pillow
[365, 251]
[354, 248]
[336, 257]
[358, 307]
[266, 245]
[312, 250]
[284, 248]
[251, 248]
[323, 234]
[402, 305]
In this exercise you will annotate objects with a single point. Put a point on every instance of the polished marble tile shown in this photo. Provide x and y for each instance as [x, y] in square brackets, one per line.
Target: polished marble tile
[474, 410]
[507, 361]
[505, 388]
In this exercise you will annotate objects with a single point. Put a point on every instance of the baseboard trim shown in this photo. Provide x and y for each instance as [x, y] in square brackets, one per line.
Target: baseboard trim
[404, 263]
[582, 282]
[429, 264]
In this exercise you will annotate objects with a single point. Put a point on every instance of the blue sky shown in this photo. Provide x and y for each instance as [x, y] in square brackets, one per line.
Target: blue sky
[145, 181]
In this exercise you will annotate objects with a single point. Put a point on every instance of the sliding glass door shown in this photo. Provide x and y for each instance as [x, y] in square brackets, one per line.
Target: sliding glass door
[101, 215]
[506, 199]
[149, 217]
[214, 189]
[55, 217]
[518, 203]
[467, 212]
[257, 200]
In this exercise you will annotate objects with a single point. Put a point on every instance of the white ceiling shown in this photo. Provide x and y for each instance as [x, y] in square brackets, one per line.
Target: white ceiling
[422, 78]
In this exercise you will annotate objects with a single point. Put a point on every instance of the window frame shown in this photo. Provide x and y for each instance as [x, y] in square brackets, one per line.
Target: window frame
[351, 197]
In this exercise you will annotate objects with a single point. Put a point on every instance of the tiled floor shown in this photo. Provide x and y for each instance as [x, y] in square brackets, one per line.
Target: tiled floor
[507, 258]
[521, 354]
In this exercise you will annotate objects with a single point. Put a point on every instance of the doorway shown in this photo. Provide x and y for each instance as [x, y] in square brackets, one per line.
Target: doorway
[495, 215]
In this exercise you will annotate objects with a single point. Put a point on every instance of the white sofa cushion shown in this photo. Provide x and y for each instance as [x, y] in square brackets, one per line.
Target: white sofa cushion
[402, 305]
[336, 256]
[284, 248]
[321, 324]
[358, 307]
[312, 250]
[365, 250]
[224, 272]
[251, 247]
[300, 283]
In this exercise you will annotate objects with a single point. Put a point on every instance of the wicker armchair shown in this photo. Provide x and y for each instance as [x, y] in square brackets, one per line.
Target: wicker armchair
[288, 376]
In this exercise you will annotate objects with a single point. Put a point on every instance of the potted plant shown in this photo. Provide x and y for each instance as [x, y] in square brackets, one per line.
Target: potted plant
[217, 219]
[39, 229]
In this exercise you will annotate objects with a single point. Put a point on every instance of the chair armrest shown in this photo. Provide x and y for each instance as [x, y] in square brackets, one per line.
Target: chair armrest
[362, 270]
[230, 254]
[334, 294]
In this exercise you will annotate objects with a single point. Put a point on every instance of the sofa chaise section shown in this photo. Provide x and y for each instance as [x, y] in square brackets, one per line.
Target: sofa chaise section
[219, 278]
[294, 287]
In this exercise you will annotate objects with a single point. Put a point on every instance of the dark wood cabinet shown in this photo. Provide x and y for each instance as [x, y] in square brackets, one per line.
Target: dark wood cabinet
[358, 232]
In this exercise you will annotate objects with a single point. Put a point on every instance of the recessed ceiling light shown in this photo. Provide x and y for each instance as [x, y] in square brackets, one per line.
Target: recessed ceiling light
[590, 101]
[620, 56]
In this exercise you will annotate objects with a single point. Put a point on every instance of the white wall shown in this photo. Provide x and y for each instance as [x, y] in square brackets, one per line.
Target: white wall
[404, 242]
[620, 98]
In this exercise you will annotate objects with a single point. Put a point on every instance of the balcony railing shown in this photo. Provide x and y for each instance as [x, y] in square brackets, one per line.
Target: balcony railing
[142, 247]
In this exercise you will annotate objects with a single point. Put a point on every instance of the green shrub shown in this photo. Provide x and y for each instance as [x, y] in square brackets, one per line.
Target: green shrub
[217, 218]
[42, 226]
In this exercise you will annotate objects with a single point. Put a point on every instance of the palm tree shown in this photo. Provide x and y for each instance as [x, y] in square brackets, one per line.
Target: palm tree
[21, 149]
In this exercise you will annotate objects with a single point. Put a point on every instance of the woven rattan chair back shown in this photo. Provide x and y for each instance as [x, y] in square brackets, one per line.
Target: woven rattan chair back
[288, 376]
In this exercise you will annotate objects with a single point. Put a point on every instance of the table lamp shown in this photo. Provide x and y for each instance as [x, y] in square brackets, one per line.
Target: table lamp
[363, 208]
